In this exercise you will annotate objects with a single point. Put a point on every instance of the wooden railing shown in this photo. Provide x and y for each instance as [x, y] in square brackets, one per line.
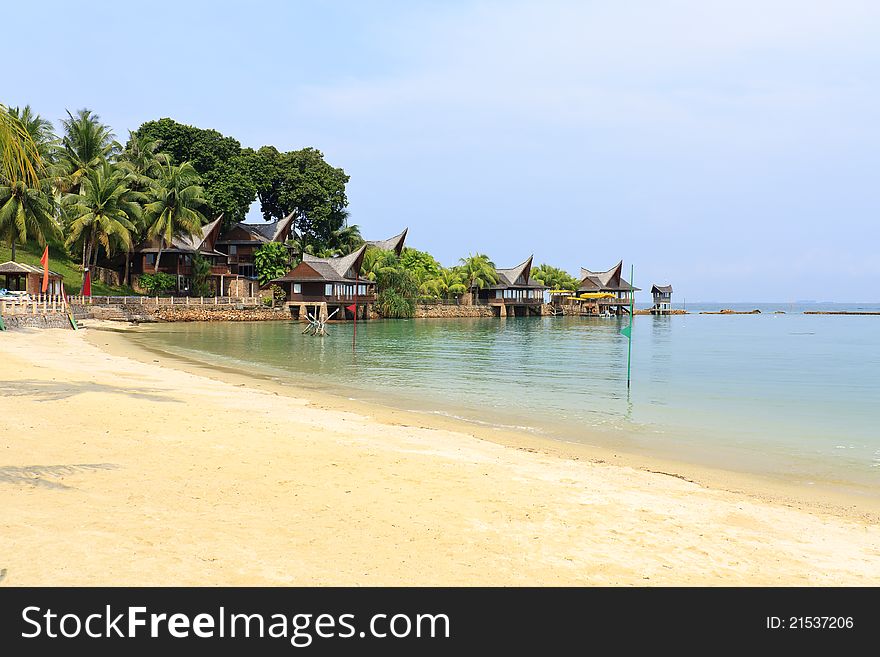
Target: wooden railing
[39, 304]
[514, 302]
[331, 298]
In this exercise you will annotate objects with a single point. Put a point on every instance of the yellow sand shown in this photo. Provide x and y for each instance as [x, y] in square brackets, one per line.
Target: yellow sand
[115, 471]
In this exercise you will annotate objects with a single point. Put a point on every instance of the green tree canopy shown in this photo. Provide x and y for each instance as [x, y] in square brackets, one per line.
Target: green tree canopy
[105, 211]
[225, 168]
[421, 264]
[85, 145]
[271, 261]
[174, 205]
[477, 271]
[554, 278]
[26, 208]
[304, 182]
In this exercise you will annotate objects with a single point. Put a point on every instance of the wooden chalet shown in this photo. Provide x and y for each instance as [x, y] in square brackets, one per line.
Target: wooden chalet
[321, 285]
[19, 277]
[176, 258]
[391, 244]
[662, 295]
[515, 294]
[605, 291]
[240, 241]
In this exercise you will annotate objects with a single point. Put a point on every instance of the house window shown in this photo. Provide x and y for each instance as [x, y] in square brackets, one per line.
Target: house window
[297, 288]
[233, 249]
[150, 258]
[328, 289]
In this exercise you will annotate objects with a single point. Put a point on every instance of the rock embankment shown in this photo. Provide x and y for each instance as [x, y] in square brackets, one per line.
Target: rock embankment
[445, 310]
[48, 320]
[140, 313]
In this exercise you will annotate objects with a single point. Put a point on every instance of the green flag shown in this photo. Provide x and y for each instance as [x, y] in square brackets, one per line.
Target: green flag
[627, 331]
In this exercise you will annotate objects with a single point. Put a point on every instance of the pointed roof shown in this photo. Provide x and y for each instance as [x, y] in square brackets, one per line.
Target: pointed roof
[511, 275]
[392, 243]
[203, 241]
[342, 269]
[10, 267]
[662, 289]
[266, 232]
[519, 276]
[610, 280]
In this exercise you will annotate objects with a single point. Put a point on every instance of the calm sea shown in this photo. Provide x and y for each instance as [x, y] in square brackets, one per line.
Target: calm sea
[789, 395]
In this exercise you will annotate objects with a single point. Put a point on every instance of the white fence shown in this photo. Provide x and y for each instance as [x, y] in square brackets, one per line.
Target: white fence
[164, 301]
[41, 304]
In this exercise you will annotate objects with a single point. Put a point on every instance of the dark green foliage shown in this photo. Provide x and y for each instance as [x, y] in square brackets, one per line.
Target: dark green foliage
[397, 286]
[156, 283]
[201, 272]
[302, 181]
[225, 168]
[421, 264]
[392, 304]
[271, 261]
[554, 277]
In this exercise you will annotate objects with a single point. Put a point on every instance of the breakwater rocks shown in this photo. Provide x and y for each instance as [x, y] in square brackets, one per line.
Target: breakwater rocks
[728, 311]
[841, 312]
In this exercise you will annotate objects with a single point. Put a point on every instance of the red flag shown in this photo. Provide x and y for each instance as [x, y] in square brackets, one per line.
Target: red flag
[351, 308]
[45, 262]
[87, 285]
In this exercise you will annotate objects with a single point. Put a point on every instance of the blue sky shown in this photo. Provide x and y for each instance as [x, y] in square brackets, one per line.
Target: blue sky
[730, 148]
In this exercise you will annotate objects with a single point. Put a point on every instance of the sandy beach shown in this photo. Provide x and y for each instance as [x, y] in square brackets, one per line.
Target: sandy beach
[127, 470]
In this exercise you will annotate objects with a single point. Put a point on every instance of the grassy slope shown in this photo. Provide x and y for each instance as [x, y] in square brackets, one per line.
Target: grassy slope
[62, 263]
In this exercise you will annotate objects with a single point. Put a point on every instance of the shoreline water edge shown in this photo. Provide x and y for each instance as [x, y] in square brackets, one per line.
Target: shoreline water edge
[166, 471]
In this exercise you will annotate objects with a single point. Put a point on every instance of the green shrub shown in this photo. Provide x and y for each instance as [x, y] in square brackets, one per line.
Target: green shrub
[156, 283]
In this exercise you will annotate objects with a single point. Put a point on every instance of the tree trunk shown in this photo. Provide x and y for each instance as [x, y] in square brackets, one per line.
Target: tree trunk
[13, 249]
[127, 267]
[158, 258]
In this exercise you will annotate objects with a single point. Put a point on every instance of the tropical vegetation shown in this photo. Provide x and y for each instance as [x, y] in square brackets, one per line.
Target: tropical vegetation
[92, 198]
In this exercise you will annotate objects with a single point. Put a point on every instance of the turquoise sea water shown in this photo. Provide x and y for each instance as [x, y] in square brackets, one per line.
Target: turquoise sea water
[792, 396]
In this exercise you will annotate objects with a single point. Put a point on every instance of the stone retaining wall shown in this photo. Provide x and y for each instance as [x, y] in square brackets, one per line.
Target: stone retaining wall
[49, 320]
[144, 313]
[440, 310]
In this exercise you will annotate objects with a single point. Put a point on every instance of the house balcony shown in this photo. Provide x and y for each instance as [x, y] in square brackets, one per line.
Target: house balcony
[510, 302]
[216, 270]
[331, 298]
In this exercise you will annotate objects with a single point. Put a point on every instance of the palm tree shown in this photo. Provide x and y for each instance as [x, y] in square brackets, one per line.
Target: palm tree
[447, 284]
[104, 212]
[347, 239]
[40, 131]
[478, 271]
[19, 156]
[85, 144]
[554, 277]
[173, 206]
[142, 159]
[26, 210]
[377, 263]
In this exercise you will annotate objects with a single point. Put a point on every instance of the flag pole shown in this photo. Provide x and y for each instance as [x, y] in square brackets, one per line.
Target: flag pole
[628, 330]
[632, 302]
[354, 335]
